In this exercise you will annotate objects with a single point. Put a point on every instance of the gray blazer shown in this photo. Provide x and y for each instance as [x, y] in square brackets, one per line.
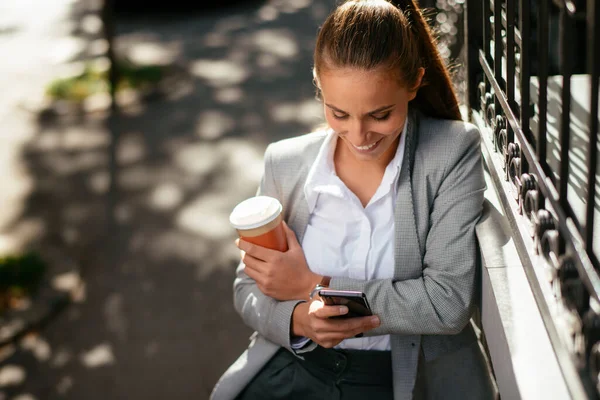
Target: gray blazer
[427, 306]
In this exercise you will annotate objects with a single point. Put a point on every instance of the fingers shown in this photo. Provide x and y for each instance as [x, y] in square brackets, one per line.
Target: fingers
[250, 261]
[259, 277]
[328, 333]
[331, 311]
[365, 324]
[352, 326]
[290, 236]
[252, 273]
[262, 253]
[320, 310]
[253, 267]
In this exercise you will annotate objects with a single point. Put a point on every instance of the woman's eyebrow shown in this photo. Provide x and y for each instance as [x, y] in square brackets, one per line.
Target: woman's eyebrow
[380, 109]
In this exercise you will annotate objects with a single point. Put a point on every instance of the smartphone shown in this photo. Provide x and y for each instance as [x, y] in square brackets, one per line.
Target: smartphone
[357, 303]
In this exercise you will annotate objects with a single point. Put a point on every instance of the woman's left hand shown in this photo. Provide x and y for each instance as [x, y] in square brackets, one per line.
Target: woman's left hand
[282, 276]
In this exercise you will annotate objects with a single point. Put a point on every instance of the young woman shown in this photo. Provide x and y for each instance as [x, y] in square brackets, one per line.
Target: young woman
[383, 201]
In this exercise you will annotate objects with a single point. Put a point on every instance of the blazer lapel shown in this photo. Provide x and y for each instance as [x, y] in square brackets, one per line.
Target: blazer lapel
[408, 252]
[299, 217]
[408, 263]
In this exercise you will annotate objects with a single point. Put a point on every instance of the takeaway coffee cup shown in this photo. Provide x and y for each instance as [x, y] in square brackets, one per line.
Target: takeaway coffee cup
[258, 220]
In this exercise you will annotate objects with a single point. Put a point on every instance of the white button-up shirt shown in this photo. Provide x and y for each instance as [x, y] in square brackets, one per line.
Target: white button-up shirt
[343, 238]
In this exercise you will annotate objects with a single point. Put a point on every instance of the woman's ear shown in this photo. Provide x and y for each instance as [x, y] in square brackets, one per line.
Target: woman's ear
[412, 93]
[315, 79]
[317, 86]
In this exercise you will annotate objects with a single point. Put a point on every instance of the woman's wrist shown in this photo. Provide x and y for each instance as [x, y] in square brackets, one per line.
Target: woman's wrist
[300, 311]
[312, 281]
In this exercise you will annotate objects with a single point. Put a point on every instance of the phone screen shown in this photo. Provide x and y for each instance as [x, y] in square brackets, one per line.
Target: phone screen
[355, 301]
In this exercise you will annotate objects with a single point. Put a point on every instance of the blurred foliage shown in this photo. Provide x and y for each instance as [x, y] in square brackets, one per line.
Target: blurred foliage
[92, 81]
[20, 275]
[448, 25]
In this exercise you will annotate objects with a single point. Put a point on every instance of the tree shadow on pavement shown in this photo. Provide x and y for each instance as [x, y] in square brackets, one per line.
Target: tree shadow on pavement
[148, 224]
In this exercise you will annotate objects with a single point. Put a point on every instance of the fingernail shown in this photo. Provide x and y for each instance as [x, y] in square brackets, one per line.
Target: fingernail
[375, 320]
[237, 242]
[343, 310]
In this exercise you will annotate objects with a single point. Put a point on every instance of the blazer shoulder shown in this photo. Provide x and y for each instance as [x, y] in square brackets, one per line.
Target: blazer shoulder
[445, 132]
[442, 142]
[296, 150]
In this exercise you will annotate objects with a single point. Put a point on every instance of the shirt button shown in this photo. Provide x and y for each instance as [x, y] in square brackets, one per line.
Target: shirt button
[338, 365]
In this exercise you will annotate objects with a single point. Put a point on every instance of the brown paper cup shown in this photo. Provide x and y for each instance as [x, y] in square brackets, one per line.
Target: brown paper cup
[258, 220]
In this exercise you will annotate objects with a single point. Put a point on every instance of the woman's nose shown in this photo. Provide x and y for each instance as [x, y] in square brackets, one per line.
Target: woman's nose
[356, 131]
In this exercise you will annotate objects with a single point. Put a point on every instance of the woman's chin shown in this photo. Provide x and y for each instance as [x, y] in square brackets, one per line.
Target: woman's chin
[373, 154]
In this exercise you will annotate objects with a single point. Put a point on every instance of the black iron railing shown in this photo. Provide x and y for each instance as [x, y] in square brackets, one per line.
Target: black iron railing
[533, 69]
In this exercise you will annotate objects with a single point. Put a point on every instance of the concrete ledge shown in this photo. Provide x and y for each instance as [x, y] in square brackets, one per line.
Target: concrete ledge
[521, 353]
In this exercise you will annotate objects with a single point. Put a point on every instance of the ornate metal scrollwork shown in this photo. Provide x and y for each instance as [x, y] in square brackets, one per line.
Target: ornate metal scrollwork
[594, 364]
[510, 151]
[572, 290]
[482, 96]
[533, 200]
[513, 168]
[499, 139]
[532, 203]
[528, 183]
[518, 69]
[489, 101]
[542, 222]
[574, 295]
[591, 330]
[500, 122]
[550, 246]
[500, 144]
[490, 110]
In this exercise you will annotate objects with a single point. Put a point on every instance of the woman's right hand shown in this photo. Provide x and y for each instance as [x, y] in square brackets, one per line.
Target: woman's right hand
[312, 320]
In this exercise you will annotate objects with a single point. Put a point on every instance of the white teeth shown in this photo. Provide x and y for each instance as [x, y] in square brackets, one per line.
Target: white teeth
[366, 147]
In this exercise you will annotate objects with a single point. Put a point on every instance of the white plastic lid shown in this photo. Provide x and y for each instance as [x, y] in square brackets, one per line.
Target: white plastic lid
[255, 212]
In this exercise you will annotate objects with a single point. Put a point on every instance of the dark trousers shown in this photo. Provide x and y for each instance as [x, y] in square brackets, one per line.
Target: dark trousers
[326, 374]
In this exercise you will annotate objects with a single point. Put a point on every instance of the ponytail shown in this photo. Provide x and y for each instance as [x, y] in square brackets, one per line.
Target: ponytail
[436, 96]
[368, 34]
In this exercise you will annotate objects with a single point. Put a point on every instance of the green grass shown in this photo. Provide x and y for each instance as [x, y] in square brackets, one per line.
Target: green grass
[20, 276]
[21, 273]
[92, 81]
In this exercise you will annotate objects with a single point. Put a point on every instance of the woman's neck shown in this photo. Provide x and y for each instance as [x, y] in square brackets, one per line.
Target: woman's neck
[361, 177]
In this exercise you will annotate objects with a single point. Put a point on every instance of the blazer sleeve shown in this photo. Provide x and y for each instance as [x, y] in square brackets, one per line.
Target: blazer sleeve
[269, 317]
[441, 300]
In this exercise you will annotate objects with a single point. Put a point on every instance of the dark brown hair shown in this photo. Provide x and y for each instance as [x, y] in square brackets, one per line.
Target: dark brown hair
[369, 34]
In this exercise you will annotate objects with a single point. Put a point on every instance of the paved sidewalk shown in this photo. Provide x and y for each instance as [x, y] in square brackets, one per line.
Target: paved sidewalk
[150, 230]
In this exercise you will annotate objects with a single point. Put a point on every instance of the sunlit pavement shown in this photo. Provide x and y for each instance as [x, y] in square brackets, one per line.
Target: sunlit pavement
[150, 231]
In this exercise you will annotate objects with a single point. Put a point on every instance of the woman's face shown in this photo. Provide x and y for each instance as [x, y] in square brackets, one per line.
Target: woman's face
[367, 110]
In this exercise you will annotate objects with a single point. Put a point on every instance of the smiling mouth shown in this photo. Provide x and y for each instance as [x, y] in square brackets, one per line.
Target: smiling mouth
[367, 147]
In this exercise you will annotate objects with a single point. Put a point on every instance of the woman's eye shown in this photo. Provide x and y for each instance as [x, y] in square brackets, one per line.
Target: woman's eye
[381, 117]
[339, 116]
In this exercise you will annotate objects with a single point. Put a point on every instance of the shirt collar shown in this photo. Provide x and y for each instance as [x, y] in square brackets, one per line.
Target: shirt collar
[321, 172]
[322, 177]
[392, 171]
